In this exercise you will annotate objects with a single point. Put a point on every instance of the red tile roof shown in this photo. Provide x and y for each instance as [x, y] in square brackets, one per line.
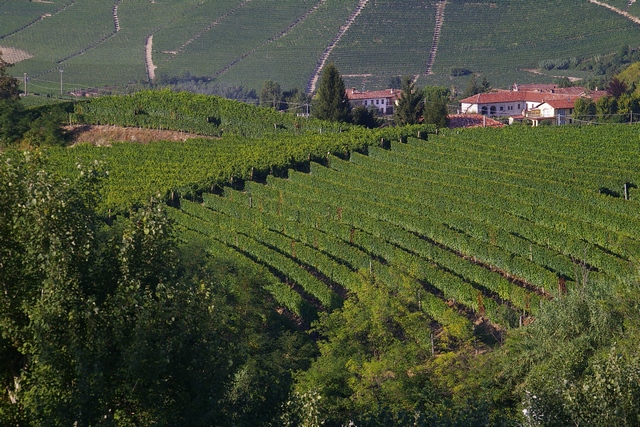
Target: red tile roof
[353, 94]
[562, 103]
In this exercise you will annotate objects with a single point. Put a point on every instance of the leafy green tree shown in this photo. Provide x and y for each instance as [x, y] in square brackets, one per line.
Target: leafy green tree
[118, 325]
[435, 106]
[584, 109]
[296, 100]
[408, 110]
[373, 363]
[485, 86]
[367, 117]
[472, 88]
[577, 363]
[8, 84]
[11, 127]
[271, 94]
[331, 102]
[606, 107]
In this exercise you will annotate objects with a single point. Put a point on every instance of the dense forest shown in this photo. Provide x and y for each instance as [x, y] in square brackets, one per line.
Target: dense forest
[299, 272]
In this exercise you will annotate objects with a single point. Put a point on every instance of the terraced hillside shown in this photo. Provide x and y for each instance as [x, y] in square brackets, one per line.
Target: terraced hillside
[98, 43]
[486, 224]
[477, 226]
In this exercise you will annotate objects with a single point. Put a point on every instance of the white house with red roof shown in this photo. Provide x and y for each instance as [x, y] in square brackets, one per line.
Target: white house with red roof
[534, 102]
[382, 100]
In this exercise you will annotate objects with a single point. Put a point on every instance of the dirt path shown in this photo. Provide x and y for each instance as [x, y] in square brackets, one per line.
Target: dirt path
[313, 81]
[436, 35]
[106, 135]
[618, 11]
[148, 59]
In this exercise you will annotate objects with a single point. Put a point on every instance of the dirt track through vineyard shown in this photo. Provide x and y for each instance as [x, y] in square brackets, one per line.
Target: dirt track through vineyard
[618, 11]
[313, 81]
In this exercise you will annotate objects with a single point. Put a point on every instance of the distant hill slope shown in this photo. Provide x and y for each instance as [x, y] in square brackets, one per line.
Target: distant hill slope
[105, 42]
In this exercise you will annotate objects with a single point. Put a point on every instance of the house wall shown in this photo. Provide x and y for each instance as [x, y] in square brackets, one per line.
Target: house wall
[495, 109]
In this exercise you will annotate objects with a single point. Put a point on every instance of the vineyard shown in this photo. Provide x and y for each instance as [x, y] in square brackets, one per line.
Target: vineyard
[482, 226]
[102, 44]
[282, 265]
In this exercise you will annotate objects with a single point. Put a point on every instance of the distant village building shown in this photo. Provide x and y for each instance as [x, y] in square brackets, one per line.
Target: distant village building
[536, 102]
[382, 100]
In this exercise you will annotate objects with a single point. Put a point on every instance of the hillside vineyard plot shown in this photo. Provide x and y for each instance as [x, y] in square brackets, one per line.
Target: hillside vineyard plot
[245, 42]
[482, 224]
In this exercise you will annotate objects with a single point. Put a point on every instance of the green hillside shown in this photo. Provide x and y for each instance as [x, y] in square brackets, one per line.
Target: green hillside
[290, 271]
[479, 217]
[103, 43]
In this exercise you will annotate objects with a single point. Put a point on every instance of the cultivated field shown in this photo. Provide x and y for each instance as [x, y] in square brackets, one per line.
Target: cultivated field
[98, 43]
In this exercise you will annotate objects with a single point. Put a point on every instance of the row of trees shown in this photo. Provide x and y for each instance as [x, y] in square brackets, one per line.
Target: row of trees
[414, 106]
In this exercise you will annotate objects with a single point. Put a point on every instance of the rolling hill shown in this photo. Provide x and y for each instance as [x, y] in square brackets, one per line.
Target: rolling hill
[98, 43]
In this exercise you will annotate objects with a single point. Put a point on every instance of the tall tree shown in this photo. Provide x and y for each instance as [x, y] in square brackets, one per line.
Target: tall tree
[331, 102]
[584, 109]
[435, 105]
[10, 107]
[271, 94]
[8, 84]
[409, 108]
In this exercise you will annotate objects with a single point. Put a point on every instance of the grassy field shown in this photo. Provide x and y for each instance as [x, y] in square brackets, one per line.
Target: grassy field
[100, 43]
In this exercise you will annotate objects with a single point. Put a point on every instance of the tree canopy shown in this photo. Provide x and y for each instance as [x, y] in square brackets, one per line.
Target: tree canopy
[120, 324]
[409, 108]
[331, 102]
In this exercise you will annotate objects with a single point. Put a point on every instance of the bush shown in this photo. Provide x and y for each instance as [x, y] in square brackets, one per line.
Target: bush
[459, 71]
[547, 64]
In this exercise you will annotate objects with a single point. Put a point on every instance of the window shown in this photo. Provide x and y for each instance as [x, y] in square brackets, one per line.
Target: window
[501, 108]
[518, 106]
[365, 102]
[377, 101]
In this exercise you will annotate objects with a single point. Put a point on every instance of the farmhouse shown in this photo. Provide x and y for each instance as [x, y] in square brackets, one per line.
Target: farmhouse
[534, 102]
[382, 100]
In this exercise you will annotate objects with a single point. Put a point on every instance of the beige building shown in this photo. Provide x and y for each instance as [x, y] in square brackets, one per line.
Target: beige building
[383, 100]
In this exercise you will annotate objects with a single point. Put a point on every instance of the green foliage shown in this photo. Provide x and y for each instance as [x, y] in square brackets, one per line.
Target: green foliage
[584, 109]
[270, 94]
[8, 84]
[410, 105]
[118, 325]
[364, 367]
[331, 102]
[367, 117]
[577, 363]
[459, 71]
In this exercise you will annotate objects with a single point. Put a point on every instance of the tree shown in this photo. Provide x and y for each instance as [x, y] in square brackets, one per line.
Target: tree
[367, 117]
[409, 108]
[8, 84]
[11, 127]
[616, 87]
[472, 87]
[271, 94]
[577, 364]
[331, 102]
[296, 100]
[117, 325]
[435, 106]
[606, 107]
[584, 109]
